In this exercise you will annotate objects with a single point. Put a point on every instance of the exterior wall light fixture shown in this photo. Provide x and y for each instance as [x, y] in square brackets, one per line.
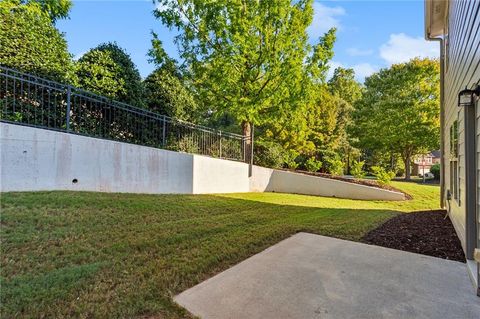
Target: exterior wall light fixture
[467, 97]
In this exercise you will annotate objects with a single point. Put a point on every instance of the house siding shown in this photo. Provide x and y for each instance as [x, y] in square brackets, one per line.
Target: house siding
[462, 69]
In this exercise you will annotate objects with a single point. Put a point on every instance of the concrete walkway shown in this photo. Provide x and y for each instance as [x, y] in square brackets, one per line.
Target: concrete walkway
[311, 276]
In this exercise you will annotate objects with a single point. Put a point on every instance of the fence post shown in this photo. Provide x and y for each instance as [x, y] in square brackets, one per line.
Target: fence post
[220, 155]
[69, 93]
[244, 152]
[163, 131]
[250, 166]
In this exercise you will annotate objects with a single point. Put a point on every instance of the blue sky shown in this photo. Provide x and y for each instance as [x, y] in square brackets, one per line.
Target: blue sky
[371, 34]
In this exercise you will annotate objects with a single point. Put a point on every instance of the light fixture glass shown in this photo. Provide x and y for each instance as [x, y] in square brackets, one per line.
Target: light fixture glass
[467, 97]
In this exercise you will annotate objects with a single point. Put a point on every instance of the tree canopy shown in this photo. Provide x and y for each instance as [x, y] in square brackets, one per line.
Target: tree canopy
[344, 85]
[31, 43]
[56, 9]
[250, 59]
[166, 94]
[96, 71]
[109, 70]
[399, 110]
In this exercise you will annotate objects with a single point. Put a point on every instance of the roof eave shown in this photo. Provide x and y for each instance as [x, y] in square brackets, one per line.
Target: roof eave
[435, 18]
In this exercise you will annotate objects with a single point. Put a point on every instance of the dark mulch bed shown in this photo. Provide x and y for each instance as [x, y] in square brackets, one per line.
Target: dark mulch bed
[425, 232]
[365, 182]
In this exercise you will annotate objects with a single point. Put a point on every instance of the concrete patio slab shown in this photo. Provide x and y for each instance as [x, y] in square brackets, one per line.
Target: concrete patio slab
[312, 276]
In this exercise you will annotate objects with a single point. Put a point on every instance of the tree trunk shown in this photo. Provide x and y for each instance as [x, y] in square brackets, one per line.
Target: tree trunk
[247, 131]
[348, 162]
[407, 167]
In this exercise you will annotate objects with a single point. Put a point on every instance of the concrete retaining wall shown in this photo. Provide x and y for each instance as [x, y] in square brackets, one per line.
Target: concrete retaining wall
[34, 159]
[213, 175]
[270, 180]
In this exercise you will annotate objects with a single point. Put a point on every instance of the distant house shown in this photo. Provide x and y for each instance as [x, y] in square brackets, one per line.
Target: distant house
[423, 163]
[455, 25]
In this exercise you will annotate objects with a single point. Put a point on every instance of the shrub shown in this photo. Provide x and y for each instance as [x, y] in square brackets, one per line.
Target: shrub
[312, 164]
[334, 166]
[357, 169]
[331, 162]
[187, 144]
[268, 154]
[435, 170]
[383, 176]
[290, 159]
[400, 172]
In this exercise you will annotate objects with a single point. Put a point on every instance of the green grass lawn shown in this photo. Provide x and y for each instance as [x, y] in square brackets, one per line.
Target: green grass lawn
[96, 255]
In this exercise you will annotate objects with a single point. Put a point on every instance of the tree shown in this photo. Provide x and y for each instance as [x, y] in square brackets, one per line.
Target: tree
[322, 120]
[249, 59]
[344, 86]
[109, 70]
[31, 43]
[166, 94]
[56, 9]
[96, 71]
[165, 89]
[399, 111]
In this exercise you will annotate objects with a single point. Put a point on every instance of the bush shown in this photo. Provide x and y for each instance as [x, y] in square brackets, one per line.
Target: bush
[187, 144]
[313, 165]
[290, 159]
[383, 176]
[357, 169]
[331, 162]
[334, 166]
[268, 154]
[435, 170]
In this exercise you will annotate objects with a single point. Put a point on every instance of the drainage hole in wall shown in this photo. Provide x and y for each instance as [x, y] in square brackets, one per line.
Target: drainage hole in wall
[74, 181]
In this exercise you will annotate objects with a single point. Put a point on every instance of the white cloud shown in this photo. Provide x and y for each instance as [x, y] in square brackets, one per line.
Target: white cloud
[362, 70]
[358, 52]
[324, 18]
[401, 48]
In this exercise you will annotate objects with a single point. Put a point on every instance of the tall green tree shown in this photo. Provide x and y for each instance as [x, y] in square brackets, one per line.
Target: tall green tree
[55, 9]
[251, 59]
[96, 71]
[322, 117]
[344, 85]
[166, 94]
[347, 91]
[165, 89]
[109, 70]
[399, 110]
[30, 42]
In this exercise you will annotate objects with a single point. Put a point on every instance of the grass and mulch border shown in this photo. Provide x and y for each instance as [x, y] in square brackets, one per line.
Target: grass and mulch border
[80, 254]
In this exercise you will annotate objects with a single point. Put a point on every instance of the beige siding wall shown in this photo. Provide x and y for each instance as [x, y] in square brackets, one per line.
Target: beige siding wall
[462, 69]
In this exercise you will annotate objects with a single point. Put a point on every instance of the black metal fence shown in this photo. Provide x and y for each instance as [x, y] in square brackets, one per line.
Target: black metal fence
[30, 100]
